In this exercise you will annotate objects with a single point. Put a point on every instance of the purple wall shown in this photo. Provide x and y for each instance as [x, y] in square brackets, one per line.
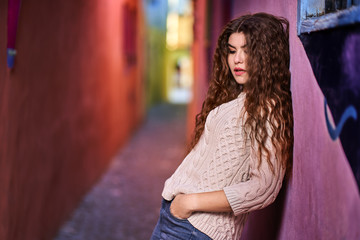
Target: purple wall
[322, 199]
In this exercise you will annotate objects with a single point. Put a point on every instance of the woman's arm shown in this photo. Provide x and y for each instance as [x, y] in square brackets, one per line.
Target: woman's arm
[256, 193]
[184, 205]
[263, 186]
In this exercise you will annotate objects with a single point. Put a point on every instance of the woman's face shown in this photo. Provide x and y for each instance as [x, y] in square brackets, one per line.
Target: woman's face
[237, 56]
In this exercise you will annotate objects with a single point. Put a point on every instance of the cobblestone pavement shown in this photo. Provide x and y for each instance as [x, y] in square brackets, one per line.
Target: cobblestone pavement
[125, 203]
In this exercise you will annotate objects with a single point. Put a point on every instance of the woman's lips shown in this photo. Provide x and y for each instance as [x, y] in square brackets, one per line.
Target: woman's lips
[239, 71]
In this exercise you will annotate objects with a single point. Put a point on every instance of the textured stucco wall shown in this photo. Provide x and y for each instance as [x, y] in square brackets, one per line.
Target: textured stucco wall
[66, 107]
[322, 199]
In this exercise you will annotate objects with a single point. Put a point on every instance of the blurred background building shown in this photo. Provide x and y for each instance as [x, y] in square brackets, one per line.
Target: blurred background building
[87, 72]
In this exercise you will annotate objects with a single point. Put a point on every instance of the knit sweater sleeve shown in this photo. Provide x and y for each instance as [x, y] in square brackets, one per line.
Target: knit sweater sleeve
[262, 187]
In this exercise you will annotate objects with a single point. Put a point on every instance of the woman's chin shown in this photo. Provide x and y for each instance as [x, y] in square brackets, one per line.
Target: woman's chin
[240, 79]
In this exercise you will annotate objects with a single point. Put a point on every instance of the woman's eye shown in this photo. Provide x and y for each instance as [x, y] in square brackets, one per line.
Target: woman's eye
[232, 51]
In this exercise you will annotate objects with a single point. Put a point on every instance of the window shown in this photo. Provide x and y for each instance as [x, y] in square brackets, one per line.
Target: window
[315, 15]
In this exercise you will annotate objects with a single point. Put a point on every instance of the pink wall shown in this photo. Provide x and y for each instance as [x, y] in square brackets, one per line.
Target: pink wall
[220, 16]
[65, 109]
[322, 199]
[203, 49]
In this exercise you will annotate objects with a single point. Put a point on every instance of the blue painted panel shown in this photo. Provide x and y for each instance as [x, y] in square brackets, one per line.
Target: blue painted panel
[313, 15]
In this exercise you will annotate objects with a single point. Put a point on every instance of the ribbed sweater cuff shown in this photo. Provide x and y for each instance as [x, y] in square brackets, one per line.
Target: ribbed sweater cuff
[232, 197]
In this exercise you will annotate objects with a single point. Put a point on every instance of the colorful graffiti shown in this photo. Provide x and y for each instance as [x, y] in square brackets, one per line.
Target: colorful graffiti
[334, 131]
[334, 55]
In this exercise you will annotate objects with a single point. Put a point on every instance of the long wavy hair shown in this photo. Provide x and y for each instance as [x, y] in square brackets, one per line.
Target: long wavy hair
[268, 97]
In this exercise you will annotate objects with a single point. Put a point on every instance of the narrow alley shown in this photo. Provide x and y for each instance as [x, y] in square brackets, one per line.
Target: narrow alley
[98, 99]
[125, 203]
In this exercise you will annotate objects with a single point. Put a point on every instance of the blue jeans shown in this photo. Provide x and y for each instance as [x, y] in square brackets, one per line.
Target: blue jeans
[169, 227]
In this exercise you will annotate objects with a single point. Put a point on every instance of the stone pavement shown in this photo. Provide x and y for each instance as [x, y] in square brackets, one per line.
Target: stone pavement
[125, 203]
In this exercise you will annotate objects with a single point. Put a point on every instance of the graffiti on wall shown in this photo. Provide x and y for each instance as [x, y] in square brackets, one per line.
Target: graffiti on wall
[334, 55]
[12, 24]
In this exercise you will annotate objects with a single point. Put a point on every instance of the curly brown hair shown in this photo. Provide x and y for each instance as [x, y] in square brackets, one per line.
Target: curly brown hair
[268, 97]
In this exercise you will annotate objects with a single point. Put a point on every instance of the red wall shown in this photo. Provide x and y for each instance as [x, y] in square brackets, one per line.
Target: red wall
[65, 108]
[200, 65]
[321, 201]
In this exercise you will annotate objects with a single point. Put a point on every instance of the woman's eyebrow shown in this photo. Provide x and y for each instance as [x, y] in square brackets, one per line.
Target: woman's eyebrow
[229, 45]
[244, 46]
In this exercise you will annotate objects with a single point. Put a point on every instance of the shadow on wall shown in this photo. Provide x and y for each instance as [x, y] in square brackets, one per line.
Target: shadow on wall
[260, 219]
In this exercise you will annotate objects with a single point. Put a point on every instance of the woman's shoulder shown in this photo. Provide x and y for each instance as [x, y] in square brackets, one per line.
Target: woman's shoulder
[235, 104]
[230, 111]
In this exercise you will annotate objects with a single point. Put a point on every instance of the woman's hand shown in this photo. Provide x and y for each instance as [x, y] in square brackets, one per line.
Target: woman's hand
[181, 206]
[184, 205]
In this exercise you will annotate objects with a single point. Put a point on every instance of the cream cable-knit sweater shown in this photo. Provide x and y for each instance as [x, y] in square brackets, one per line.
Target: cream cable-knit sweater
[224, 159]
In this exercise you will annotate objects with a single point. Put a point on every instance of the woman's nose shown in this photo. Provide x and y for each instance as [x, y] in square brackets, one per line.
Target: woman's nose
[239, 58]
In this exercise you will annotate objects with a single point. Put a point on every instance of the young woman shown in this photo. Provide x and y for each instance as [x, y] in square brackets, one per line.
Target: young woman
[243, 137]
